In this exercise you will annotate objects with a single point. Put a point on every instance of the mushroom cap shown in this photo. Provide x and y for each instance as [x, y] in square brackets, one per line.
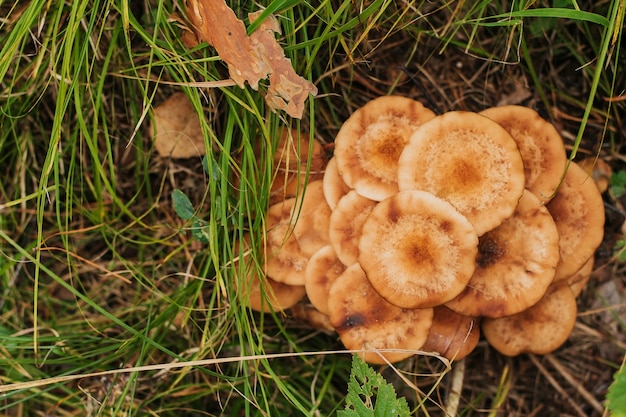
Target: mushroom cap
[266, 294]
[417, 250]
[540, 329]
[261, 293]
[579, 280]
[312, 219]
[334, 187]
[369, 143]
[346, 223]
[365, 320]
[284, 260]
[452, 335]
[323, 268]
[578, 211]
[516, 263]
[311, 315]
[468, 160]
[540, 145]
[291, 160]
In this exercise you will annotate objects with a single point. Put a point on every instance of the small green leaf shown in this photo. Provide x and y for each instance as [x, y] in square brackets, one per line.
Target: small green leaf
[200, 230]
[369, 395]
[618, 183]
[182, 205]
[616, 397]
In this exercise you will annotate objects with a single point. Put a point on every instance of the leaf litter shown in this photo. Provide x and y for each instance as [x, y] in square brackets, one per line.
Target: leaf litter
[251, 58]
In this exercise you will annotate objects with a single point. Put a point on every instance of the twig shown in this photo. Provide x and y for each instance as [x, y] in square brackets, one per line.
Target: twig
[458, 374]
[575, 383]
[556, 385]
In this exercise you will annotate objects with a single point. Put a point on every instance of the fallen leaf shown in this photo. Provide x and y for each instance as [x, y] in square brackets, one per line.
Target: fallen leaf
[251, 58]
[177, 132]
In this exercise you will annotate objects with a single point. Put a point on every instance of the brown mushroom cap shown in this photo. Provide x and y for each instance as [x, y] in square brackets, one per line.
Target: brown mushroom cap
[291, 160]
[417, 250]
[452, 335]
[578, 211]
[540, 329]
[468, 160]
[579, 280]
[323, 268]
[516, 263]
[312, 219]
[365, 320]
[334, 187]
[369, 143]
[261, 293]
[284, 260]
[346, 222]
[540, 145]
[266, 294]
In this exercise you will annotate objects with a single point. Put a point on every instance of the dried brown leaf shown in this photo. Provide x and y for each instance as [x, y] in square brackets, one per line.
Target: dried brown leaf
[251, 58]
[177, 131]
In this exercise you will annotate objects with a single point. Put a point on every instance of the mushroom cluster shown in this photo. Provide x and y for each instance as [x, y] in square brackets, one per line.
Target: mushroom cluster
[426, 229]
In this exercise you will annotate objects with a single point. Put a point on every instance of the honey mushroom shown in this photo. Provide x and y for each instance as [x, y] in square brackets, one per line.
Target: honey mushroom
[417, 250]
[365, 320]
[370, 141]
[470, 229]
[539, 144]
[468, 160]
[516, 263]
[346, 224]
[540, 329]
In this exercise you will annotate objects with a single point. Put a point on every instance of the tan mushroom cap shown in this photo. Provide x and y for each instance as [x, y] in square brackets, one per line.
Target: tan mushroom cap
[369, 143]
[578, 211]
[365, 320]
[468, 160]
[266, 294]
[346, 222]
[540, 145]
[315, 318]
[284, 260]
[261, 293]
[452, 335]
[417, 250]
[320, 274]
[334, 187]
[540, 329]
[516, 263]
[291, 160]
[579, 280]
[312, 219]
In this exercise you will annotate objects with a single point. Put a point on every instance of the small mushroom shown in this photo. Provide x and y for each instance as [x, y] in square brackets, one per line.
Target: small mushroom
[311, 219]
[370, 141]
[515, 265]
[261, 293]
[266, 295]
[321, 271]
[346, 222]
[334, 187]
[291, 160]
[468, 160]
[417, 250]
[540, 329]
[365, 320]
[578, 211]
[540, 145]
[452, 335]
[284, 260]
[579, 280]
